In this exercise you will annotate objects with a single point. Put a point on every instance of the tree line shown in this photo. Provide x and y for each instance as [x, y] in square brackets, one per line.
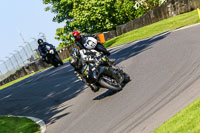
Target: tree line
[93, 16]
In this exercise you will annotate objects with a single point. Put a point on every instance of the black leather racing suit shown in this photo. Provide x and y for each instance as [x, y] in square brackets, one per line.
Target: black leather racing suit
[43, 50]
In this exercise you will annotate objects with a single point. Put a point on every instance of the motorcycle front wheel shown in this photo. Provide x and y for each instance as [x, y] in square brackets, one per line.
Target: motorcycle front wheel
[58, 59]
[110, 83]
[55, 64]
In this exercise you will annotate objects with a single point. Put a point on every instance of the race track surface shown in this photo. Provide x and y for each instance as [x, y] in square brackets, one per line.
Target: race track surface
[165, 77]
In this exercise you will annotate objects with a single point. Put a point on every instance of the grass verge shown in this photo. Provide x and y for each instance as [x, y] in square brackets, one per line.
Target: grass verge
[15, 81]
[65, 60]
[17, 125]
[186, 121]
[156, 28]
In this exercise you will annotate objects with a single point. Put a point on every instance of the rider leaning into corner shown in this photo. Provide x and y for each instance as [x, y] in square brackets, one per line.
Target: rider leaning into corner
[80, 40]
[42, 49]
[79, 60]
[82, 58]
[77, 64]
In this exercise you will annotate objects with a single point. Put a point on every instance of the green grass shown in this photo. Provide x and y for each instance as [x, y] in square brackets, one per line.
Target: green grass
[65, 60]
[186, 121]
[15, 81]
[17, 125]
[156, 28]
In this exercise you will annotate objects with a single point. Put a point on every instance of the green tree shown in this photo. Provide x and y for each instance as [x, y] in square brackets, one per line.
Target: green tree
[97, 16]
[92, 16]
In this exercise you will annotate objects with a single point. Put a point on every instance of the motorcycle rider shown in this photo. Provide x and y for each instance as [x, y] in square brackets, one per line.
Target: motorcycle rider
[80, 59]
[80, 40]
[86, 62]
[43, 49]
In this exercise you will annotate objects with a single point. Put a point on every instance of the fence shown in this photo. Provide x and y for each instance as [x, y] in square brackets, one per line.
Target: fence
[35, 66]
[166, 10]
[169, 9]
[19, 58]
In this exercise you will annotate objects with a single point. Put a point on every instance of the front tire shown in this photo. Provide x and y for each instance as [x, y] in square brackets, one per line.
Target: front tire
[58, 59]
[105, 83]
[55, 64]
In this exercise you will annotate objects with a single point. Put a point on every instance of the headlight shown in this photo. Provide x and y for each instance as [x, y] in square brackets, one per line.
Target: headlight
[51, 51]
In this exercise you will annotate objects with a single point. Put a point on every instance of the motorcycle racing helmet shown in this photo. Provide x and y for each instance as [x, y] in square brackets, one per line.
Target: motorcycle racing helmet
[90, 43]
[76, 35]
[40, 41]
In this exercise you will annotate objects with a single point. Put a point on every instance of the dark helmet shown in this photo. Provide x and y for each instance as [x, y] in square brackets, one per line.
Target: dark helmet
[40, 41]
[76, 35]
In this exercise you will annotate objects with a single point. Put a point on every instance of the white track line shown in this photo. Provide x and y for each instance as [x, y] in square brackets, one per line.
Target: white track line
[186, 27]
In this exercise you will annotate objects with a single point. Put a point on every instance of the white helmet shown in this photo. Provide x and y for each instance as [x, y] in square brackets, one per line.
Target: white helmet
[90, 43]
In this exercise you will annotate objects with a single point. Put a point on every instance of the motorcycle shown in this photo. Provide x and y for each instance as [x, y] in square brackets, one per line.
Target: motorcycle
[104, 74]
[53, 57]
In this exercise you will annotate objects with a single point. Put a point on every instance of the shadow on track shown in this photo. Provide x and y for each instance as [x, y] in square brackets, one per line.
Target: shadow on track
[137, 48]
[105, 94]
[43, 95]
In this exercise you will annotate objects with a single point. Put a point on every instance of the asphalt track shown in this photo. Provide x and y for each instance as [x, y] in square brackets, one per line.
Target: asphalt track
[165, 77]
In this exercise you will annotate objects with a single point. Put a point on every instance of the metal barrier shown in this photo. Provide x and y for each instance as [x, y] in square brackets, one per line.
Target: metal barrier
[19, 58]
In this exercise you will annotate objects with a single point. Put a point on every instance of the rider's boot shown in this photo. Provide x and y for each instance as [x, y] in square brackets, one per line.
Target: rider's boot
[94, 88]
